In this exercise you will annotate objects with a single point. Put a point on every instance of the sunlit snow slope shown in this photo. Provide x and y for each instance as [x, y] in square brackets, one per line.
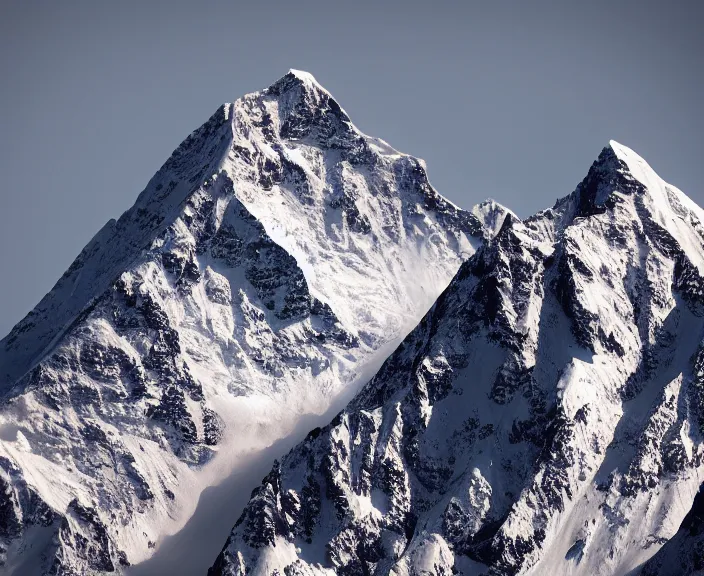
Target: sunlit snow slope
[264, 265]
[545, 417]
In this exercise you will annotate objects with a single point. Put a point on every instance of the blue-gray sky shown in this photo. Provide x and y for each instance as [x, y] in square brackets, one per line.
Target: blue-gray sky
[510, 100]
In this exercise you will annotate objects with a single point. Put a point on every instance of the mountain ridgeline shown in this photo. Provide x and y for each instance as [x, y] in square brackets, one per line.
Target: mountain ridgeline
[541, 410]
[545, 417]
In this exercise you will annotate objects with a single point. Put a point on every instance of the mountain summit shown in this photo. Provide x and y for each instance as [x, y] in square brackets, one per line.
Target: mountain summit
[545, 417]
[259, 277]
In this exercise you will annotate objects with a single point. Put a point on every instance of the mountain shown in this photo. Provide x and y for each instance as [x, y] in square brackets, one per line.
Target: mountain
[545, 417]
[259, 277]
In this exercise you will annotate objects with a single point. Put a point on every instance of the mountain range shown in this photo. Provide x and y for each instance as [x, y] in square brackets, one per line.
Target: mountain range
[520, 396]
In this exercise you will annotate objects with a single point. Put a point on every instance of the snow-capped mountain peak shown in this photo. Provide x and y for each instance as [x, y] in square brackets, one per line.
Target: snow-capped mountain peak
[305, 77]
[670, 207]
[545, 417]
[491, 214]
[260, 276]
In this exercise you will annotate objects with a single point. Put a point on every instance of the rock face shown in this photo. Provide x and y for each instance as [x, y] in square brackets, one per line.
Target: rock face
[265, 264]
[545, 417]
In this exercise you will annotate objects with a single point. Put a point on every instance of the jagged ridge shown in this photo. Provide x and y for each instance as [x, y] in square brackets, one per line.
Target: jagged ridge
[545, 417]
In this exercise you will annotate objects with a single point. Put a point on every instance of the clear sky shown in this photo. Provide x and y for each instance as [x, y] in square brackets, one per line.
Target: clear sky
[510, 100]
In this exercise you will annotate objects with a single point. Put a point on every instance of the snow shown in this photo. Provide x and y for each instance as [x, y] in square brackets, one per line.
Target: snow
[660, 194]
[305, 76]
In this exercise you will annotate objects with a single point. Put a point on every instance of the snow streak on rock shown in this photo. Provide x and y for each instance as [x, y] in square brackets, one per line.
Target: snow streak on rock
[260, 270]
[545, 417]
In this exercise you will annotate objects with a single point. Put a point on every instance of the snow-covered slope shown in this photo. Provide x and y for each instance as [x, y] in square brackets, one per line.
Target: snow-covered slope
[269, 260]
[684, 553]
[545, 417]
